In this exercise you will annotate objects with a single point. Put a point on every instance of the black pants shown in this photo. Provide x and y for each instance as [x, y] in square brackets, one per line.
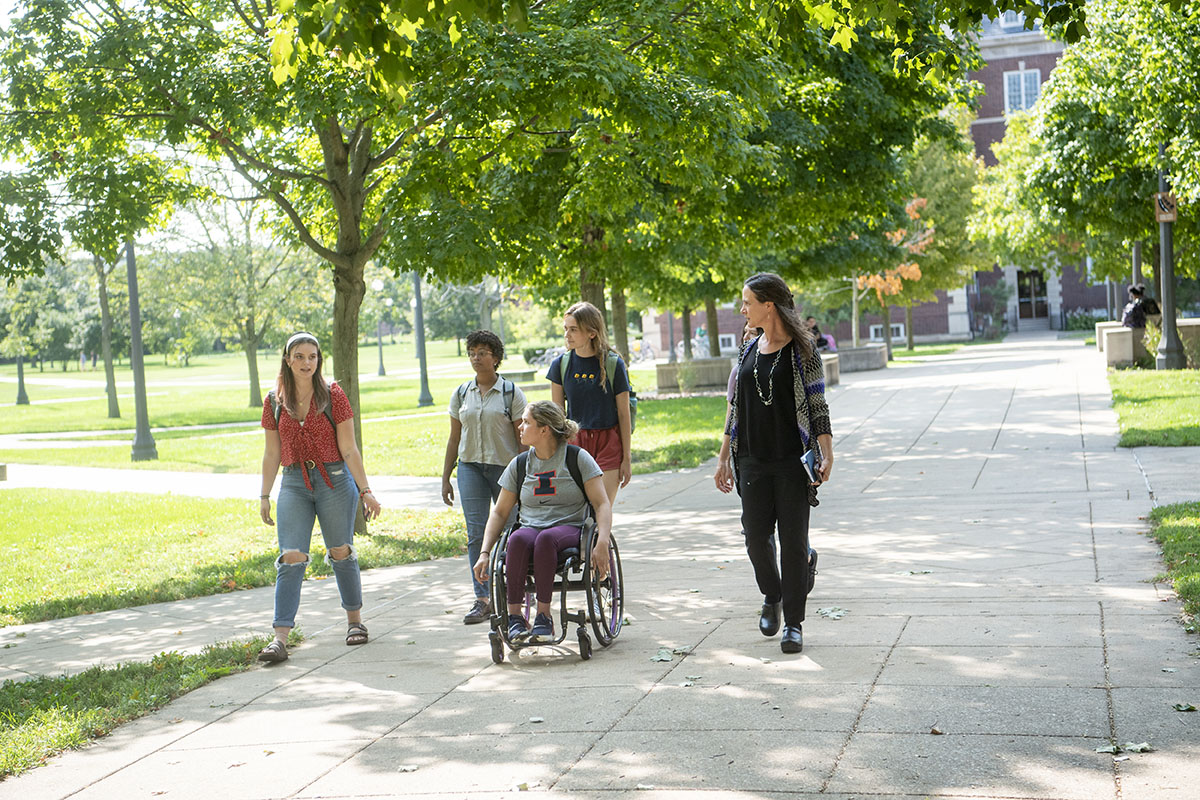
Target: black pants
[775, 493]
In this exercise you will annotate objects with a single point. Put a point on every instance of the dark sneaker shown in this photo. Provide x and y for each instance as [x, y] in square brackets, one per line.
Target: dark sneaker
[518, 628]
[543, 629]
[812, 568]
[480, 612]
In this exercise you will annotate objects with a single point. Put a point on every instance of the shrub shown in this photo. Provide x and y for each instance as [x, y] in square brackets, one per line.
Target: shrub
[1084, 319]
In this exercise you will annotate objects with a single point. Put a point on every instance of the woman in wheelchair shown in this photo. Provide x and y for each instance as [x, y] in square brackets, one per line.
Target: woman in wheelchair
[552, 509]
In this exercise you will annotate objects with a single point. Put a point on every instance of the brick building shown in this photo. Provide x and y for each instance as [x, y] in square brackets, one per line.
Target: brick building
[1016, 63]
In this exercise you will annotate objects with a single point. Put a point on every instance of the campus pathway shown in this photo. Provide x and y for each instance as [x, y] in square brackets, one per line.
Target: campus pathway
[983, 535]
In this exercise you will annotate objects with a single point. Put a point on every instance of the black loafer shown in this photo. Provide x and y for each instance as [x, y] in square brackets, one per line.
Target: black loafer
[792, 640]
[768, 621]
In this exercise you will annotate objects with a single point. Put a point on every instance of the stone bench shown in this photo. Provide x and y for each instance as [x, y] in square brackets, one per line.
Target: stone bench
[860, 359]
[520, 376]
[833, 369]
[1124, 346]
[707, 374]
[1101, 327]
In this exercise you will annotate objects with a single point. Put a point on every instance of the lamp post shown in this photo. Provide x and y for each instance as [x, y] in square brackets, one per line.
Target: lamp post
[377, 285]
[425, 398]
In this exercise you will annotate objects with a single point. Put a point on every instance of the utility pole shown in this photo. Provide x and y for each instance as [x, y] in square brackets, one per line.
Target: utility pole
[1170, 350]
[143, 440]
[1137, 263]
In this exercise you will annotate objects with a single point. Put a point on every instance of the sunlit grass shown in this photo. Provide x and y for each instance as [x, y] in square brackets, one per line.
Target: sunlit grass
[74, 552]
[1177, 528]
[1157, 407]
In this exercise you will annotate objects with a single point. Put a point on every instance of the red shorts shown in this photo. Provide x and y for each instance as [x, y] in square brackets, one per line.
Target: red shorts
[604, 445]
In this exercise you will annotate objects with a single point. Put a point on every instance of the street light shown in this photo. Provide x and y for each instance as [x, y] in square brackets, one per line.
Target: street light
[377, 285]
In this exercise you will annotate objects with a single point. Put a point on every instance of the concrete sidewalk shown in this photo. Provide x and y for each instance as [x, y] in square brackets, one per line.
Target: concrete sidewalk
[982, 533]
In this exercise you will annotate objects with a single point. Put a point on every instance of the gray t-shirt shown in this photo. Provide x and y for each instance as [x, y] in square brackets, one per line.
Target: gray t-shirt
[550, 495]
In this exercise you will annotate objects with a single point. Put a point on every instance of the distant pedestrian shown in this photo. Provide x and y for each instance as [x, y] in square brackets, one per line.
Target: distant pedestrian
[485, 419]
[310, 432]
[818, 338]
[591, 383]
[1134, 315]
[777, 416]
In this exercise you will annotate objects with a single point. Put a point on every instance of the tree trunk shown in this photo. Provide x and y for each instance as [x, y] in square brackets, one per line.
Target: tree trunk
[714, 335]
[348, 291]
[591, 288]
[22, 398]
[250, 343]
[854, 313]
[620, 316]
[687, 334]
[908, 328]
[887, 329]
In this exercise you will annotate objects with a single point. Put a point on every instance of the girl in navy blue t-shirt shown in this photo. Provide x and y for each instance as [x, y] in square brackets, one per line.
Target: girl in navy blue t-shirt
[591, 383]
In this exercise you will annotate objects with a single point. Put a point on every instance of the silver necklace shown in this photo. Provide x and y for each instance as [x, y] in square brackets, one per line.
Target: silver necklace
[766, 401]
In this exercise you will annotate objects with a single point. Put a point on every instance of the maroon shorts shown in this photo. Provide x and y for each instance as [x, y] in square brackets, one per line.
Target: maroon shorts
[604, 445]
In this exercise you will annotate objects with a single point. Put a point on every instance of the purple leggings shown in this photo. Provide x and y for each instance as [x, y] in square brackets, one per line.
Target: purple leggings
[546, 545]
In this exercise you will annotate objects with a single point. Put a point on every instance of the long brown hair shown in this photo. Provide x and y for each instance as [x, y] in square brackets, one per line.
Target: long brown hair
[285, 384]
[591, 320]
[770, 288]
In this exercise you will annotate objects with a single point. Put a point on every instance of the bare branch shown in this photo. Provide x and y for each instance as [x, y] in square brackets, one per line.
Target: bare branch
[639, 42]
[398, 142]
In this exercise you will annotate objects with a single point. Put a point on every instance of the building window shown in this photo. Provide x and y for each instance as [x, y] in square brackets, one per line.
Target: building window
[1021, 89]
[897, 332]
[727, 342]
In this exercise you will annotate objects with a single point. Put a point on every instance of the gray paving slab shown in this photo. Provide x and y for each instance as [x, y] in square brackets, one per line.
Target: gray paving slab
[983, 531]
[975, 766]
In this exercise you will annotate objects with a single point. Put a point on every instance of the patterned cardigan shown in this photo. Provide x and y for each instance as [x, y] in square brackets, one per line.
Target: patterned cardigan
[812, 412]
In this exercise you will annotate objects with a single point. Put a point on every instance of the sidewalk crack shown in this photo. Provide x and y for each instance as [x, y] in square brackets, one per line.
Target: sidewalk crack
[1112, 718]
[837, 761]
[635, 704]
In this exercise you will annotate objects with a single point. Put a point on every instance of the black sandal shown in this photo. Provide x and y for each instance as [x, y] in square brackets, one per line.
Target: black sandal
[273, 653]
[356, 634]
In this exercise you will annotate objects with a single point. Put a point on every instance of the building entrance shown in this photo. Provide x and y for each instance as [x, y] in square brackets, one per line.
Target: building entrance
[1031, 295]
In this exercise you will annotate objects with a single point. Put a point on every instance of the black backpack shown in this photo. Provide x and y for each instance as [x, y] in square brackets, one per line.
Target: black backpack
[572, 467]
[507, 388]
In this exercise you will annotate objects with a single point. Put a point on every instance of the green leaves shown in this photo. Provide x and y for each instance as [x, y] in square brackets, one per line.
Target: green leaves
[29, 234]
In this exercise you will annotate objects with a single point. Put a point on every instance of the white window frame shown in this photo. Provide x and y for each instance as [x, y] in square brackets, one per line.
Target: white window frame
[727, 342]
[876, 334]
[1009, 107]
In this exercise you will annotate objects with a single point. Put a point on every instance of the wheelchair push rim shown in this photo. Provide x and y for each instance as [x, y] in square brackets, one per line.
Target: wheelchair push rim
[605, 597]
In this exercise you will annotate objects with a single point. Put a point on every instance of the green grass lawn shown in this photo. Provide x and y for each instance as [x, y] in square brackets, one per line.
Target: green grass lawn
[1157, 407]
[215, 389]
[76, 552]
[926, 350]
[44, 716]
[1177, 528]
[671, 434]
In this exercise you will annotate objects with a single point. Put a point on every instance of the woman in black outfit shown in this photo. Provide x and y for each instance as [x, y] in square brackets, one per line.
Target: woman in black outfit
[777, 414]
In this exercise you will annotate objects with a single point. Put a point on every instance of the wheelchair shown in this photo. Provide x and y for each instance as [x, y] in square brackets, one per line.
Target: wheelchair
[604, 599]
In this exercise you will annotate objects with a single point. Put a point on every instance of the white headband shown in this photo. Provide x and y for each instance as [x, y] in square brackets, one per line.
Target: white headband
[297, 337]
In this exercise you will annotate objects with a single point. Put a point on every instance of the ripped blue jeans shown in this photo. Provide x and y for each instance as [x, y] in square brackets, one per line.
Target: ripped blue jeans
[297, 509]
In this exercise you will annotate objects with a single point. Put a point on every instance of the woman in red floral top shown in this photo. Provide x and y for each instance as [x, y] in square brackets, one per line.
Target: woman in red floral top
[310, 432]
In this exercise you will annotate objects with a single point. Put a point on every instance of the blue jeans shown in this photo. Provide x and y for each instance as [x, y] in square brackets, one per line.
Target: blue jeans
[478, 487]
[298, 507]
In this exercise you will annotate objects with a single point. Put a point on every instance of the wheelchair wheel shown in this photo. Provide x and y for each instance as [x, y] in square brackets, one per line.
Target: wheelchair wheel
[496, 580]
[605, 598]
[585, 645]
[497, 647]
